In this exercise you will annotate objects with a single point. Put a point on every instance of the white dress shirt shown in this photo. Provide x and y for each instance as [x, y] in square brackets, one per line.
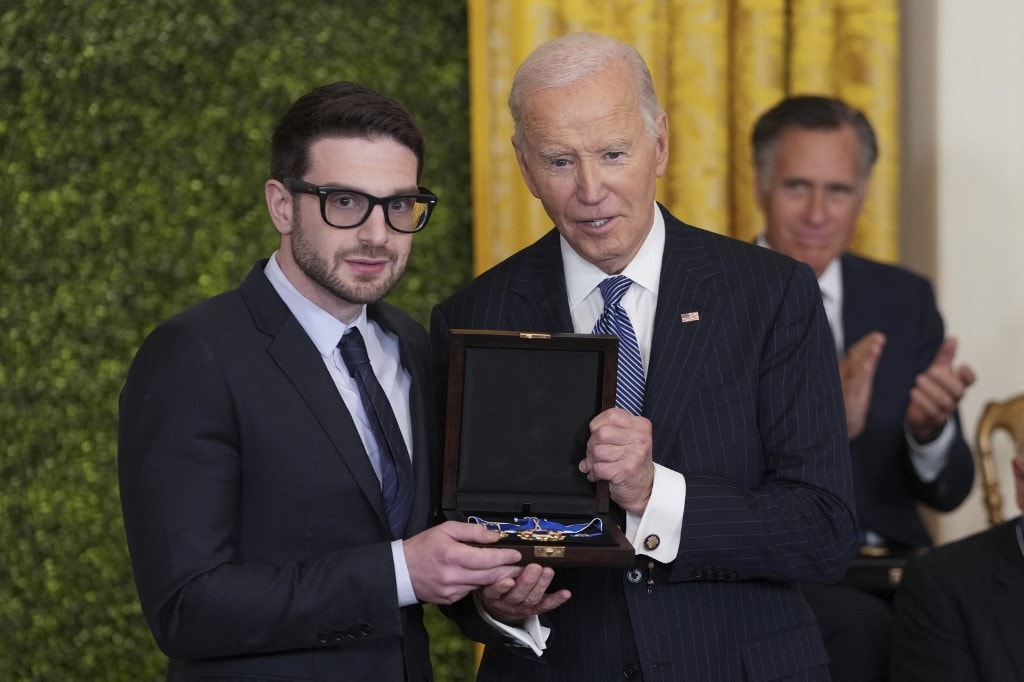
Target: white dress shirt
[325, 331]
[664, 514]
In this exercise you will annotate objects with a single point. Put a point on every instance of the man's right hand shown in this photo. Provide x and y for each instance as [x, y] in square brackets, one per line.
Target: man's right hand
[444, 569]
[857, 374]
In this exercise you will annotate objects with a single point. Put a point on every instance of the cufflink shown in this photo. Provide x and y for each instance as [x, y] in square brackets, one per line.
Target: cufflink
[652, 542]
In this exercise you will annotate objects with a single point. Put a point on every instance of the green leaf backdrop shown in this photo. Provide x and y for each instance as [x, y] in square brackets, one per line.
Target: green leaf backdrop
[134, 147]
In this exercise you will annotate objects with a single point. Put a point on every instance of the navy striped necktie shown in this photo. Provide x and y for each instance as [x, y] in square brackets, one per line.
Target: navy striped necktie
[396, 467]
[629, 388]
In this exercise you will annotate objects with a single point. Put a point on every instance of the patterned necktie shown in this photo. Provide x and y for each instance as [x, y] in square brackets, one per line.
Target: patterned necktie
[396, 468]
[629, 388]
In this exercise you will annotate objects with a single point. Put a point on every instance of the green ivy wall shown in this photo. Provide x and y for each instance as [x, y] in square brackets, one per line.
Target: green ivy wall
[133, 152]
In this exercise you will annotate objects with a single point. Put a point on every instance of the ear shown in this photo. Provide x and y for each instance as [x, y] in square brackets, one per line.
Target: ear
[662, 145]
[279, 204]
[524, 168]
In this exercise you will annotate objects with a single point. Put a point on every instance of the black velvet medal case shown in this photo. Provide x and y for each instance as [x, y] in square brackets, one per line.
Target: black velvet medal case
[519, 406]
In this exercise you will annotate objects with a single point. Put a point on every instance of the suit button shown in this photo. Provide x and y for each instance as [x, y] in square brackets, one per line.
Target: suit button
[339, 634]
[630, 671]
[733, 576]
[634, 575]
[366, 629]
[323, 637]
[698, 574]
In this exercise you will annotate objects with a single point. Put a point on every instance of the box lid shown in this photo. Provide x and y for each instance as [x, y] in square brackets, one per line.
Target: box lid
[519, 406]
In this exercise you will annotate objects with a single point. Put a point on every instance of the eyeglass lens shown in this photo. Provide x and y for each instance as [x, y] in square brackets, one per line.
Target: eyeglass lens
[348, 209]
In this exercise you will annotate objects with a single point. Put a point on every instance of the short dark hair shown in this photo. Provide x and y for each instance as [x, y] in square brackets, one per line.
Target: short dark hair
[812, 112]
[342, 109]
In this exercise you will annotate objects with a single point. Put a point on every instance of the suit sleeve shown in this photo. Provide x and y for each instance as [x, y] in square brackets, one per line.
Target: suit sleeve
[181, 436]
[954, 482]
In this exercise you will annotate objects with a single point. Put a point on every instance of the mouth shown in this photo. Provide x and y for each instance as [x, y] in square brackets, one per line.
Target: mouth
[815, 238]
[594, 224]
[367, 265]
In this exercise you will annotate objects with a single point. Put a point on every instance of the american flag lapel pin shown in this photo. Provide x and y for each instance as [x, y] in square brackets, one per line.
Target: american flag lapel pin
[689, 317]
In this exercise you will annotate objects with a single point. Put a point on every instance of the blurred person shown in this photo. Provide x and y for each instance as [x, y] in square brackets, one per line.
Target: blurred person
[726, 454]
[278, 529]
[813, 158]
[960, 608]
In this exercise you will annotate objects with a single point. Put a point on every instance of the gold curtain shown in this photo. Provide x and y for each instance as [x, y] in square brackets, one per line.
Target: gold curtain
[717, 64]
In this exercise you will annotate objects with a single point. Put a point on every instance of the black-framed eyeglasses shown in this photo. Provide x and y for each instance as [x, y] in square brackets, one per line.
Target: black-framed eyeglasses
[345, 208]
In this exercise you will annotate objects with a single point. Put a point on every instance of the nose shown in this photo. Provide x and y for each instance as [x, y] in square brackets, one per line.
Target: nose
[589, 183]
[374, 229]
[816, 209]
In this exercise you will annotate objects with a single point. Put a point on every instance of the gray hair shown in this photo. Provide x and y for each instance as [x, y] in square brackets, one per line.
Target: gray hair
[573, 58]
[810, 112]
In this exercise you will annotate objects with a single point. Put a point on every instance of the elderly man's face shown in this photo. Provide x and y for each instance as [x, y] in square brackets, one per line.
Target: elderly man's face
[587, 155]
[812, 194]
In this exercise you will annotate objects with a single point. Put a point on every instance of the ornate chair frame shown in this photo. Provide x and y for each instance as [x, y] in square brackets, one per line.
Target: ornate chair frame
[1007, 414]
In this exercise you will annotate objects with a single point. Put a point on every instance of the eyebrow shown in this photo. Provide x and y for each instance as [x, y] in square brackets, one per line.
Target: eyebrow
[349, 188]
[553, 154]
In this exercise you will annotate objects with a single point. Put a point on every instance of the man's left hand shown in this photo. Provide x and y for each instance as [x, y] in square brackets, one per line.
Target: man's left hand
[937, 392]
[620, 451]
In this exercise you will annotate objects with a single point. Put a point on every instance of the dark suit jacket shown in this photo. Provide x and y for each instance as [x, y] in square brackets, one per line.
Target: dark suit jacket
[746, 403]
[255, 522]
[960, 612]
[902, 306]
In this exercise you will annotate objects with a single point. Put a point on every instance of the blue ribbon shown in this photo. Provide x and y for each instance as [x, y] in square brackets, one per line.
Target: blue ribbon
[532, 524]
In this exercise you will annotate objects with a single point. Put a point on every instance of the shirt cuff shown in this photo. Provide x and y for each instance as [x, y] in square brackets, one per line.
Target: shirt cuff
[931, 458]
[406, 594]
[656, 534]
[531, 634]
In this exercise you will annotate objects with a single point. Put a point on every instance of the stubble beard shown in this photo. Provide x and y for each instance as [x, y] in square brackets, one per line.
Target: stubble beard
[324, 273]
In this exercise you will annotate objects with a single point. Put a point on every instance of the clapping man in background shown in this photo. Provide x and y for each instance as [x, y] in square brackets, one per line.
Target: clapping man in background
[901, 387]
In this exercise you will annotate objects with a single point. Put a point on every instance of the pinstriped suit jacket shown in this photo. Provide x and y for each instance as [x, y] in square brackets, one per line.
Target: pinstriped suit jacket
[746, 403]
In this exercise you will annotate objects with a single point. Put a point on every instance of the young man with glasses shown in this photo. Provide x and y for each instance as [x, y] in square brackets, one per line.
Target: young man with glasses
[276, 441]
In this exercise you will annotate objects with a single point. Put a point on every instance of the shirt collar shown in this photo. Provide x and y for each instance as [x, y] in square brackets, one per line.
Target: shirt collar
[831, 281]
[582, 277]
[323, 329]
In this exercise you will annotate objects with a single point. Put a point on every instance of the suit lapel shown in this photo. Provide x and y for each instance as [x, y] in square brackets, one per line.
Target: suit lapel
[539, 285]
[686, 317]
[859, 295]
[293, 351]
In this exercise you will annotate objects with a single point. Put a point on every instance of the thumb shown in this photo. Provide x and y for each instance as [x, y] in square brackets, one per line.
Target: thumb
[946, 352]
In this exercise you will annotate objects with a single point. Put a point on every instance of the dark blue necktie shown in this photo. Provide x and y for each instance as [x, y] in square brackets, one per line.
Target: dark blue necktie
[629, 388]
[396, 468]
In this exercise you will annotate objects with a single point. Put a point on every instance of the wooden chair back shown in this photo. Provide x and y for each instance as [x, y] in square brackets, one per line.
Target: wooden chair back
[1009, 415]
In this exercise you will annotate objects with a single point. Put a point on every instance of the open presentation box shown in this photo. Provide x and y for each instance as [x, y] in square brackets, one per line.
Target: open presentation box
[519, 406]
